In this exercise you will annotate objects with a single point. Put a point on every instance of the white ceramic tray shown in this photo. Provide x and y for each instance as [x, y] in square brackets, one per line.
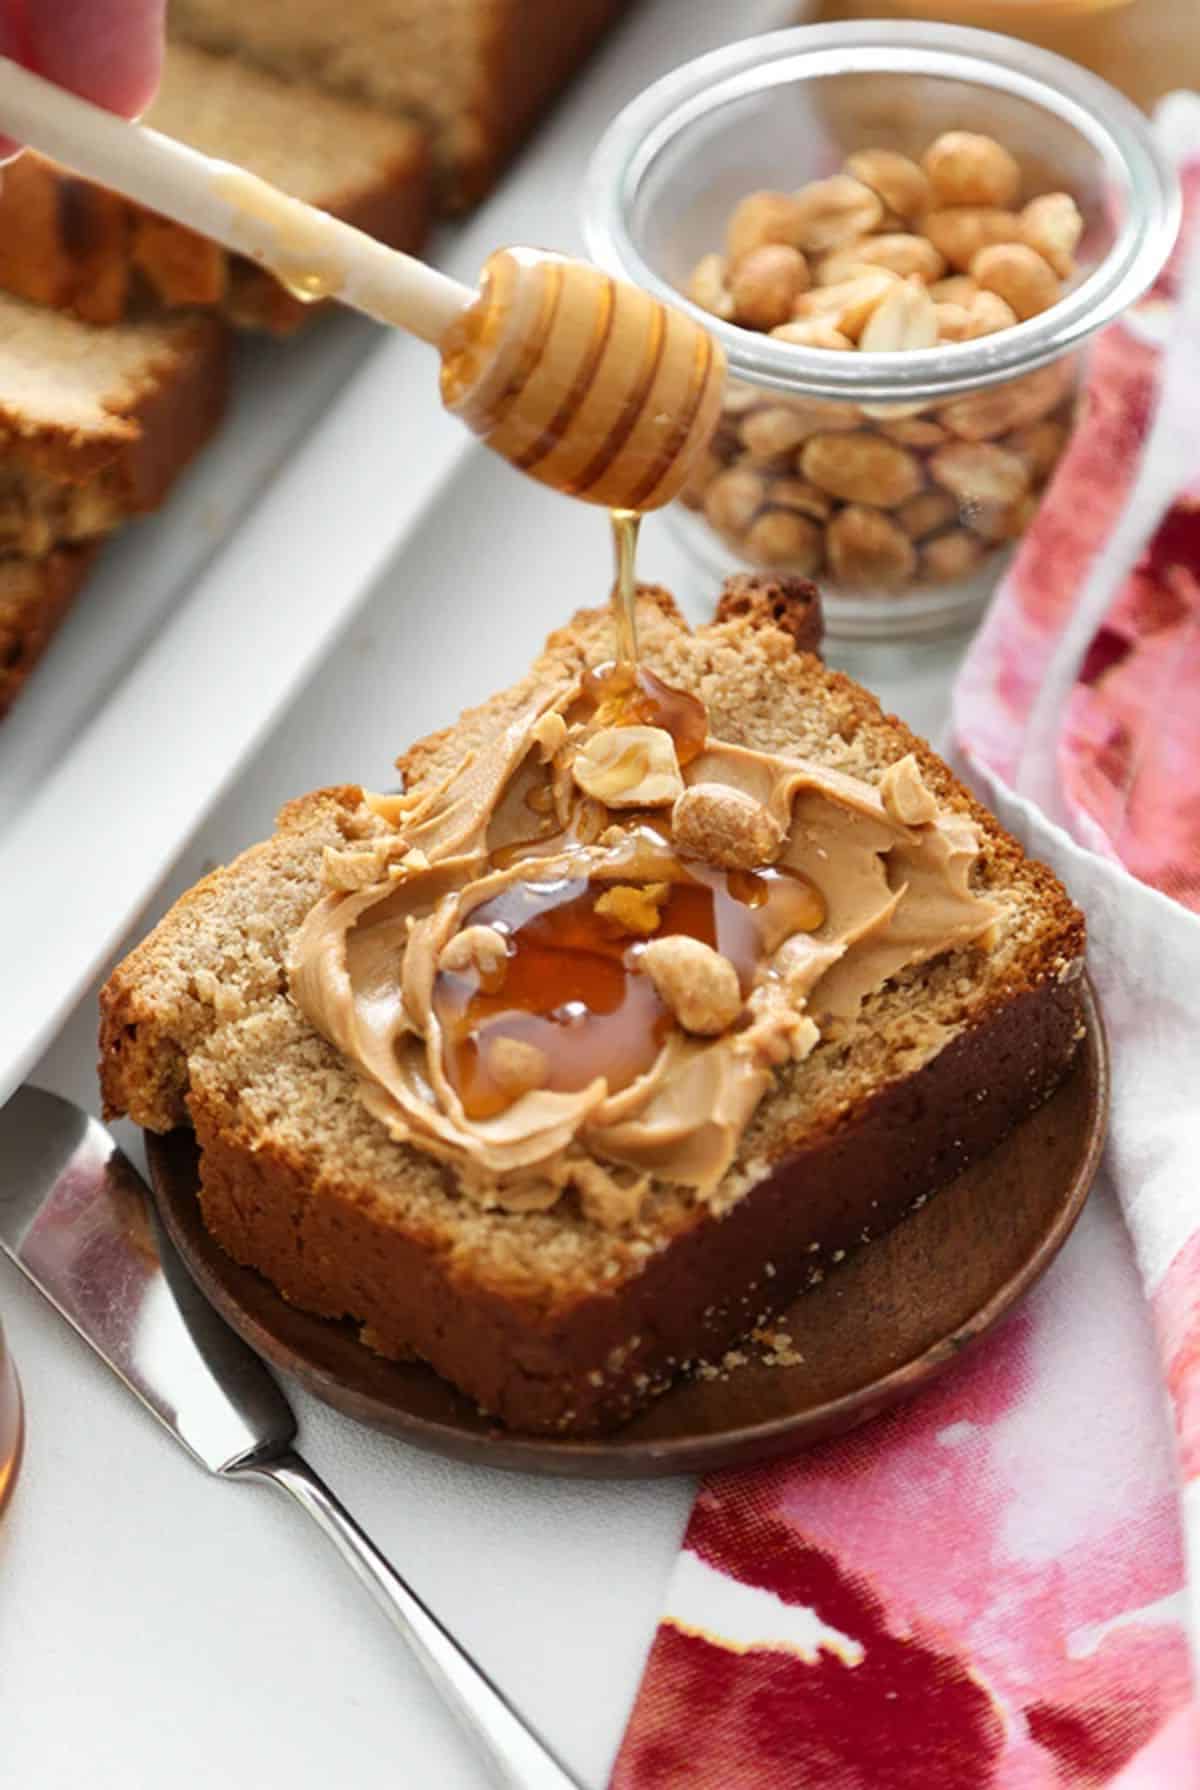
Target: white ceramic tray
[199, 625]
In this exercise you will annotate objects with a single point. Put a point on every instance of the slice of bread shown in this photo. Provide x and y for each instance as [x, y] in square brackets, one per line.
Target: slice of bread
[106, 418]
[35, 594]
[476, 72]
[67, 243]
[551, 1322]
[95, 426]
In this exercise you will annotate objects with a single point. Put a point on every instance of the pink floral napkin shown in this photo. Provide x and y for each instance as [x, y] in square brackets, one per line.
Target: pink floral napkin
[990, 1588]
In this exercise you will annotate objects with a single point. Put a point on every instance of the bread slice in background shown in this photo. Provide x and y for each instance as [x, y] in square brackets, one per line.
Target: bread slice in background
[549, 1321]
[67, 243]
[476, 73]
[35, 594]
[95, 426]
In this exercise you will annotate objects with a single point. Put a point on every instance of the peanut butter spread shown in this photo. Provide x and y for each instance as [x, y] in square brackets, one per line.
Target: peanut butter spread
[578, 961]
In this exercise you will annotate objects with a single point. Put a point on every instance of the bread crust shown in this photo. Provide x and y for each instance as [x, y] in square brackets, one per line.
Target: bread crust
[551, 1324]
[588, 1366]
[35, 595]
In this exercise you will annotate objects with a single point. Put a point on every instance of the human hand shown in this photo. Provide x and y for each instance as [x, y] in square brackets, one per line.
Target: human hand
[109, 51]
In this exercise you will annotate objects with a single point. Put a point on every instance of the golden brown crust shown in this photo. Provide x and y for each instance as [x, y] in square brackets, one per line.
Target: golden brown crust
[793, 604]
[35, 595]
[546, 1319]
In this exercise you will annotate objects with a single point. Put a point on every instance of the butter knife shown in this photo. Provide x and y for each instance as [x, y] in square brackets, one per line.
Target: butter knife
[78, 1220]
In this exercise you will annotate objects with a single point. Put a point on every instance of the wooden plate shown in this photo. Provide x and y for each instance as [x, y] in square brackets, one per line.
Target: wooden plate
[877, 1329]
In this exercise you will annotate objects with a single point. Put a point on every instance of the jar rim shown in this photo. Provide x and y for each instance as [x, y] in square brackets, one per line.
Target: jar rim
[1115, 128]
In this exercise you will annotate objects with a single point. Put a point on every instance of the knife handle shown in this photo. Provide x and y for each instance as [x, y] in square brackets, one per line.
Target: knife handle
[519, 1759]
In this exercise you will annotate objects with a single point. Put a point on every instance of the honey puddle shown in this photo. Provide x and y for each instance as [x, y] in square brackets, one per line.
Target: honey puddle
[571, 985]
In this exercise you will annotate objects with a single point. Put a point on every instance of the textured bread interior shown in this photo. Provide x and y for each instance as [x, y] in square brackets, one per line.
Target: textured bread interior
[426, 61]
[312, 144]
[66, 382]
[197, 1020]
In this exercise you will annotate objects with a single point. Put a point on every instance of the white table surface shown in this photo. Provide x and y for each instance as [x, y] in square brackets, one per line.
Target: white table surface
[161, 1629]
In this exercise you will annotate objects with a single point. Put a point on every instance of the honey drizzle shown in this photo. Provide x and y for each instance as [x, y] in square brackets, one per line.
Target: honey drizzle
[625, 526]
[571, 985]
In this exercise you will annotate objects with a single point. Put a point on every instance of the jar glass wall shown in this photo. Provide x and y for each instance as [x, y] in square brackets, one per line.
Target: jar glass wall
[898, 480]
[11, 1428]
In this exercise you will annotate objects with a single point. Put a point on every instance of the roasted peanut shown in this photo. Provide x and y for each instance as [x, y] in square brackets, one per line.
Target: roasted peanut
[766, 283]
[868, 551]
[949, 556]
[981, 416]
[835, 210]
[897, 252]
[709, 287]
[861, 468]
[783, 538]
[914, 432]
[478, 948]
[734, 499]
[1039, 445]
[964, 168]
[694, 981]
[628, 767]
[774, 431]
[761, 218]
[1052, 225]
[725, 826]
[998, 522]
[979, 472]
[925, 513]
[813, 332]
[899, 182]
[795, 494]
[955, 289]
[1019, 275]
[848, 305]
[983, 315]
[905, 317]
[959, 234]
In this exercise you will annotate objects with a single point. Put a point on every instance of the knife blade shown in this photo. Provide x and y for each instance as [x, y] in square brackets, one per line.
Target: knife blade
[79, 1222]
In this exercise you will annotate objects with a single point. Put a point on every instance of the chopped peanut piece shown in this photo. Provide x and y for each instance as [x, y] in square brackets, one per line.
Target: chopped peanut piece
[897, 253]
[633, 909]
[548, 733]
[516, 1066]
[628, 767]
[698, 984]
[905, 795]
[835, 210]
[761, 218]
[905, 317]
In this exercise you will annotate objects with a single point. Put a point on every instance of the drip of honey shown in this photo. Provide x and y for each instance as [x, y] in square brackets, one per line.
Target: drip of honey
[625, 526]
[626, 695]
[309, 288]
[571, 986]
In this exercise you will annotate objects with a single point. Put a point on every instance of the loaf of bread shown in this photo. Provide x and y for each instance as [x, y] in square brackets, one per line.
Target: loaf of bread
[476, 73]
[95, 426]
[552, 1321]
[67, 243]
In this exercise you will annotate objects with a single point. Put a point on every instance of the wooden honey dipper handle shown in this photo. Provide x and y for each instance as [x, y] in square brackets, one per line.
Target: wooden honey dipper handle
[584, 382]
[581, 381]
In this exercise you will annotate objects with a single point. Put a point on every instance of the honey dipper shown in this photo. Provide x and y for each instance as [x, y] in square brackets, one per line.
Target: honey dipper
[583, 382]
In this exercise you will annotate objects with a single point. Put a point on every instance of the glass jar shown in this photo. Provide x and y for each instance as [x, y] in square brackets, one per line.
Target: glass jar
[11, 1427]
[777, 111]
